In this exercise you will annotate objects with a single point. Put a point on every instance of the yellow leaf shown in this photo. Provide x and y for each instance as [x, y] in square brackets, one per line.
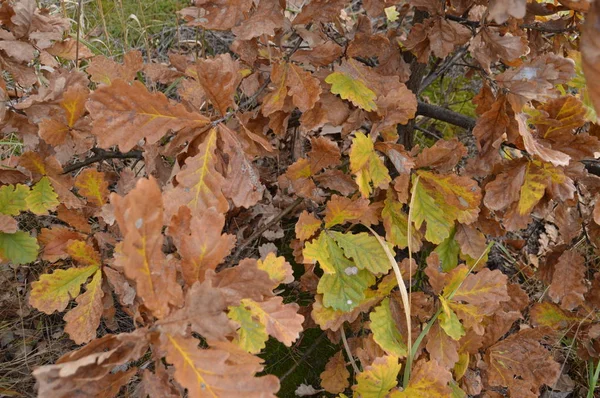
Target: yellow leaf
[367, 166]
[428, 380]
[52, 292]
[13, 199]
[354, 90]
[278, 269]
[365, 250]
[83, 253]
[378, 379]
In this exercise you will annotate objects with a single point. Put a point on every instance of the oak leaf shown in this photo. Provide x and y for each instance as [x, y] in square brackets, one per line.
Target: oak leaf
[307, 225]
[334, 379]
[490, 45]
[278, 269]
[385, 331]
[219, 78]
[243, 281]
[441, 347]
[13, 199]
[428, 380]
[216, 14]
[201, 245]
[329, 318]
[395, 222]
[340, 209]
[264, 21]
[294, 82]
[8, 224]
[353, 89]
[521, 363]
[104, 70]
[214, 371]
[200, 184]
[251, 334]
[123, 114]
[552, 316]
[590, 54]
[568, 281]
[378, 379]
[52, 292]
[366, 165]
[204, 310]
[501, 10]
[449, 322]
[319, 11]
[18, 247]
[324, 153]
[93, 185]
[42, 197]
[83, 320]
[440, 199]
[364, 249]
[443, 156]
[436, 35]
[139, 215]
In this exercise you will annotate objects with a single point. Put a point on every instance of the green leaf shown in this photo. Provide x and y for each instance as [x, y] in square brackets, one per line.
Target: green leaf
[385, 332]
[354, 90]
[18, 248]
[365, 250]
[449, 321]
[252, 334]
[345, 288]
[12, 199]
[395, 222]
[52, 292]
[440, 199]
[42, 197]
[448, 252]
[318, 251]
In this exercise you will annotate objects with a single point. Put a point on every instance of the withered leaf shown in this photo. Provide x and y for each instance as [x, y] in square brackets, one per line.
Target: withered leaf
[123, 114]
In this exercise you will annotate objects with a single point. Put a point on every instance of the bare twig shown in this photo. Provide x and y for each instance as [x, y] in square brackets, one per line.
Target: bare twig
[100, 155]
[264, 228]
[445, 115]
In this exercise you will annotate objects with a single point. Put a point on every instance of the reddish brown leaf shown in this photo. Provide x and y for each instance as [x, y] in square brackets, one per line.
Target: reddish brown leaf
[123, 114]
[140, 218]
[219, 78]
[568, 281]
[334, 379]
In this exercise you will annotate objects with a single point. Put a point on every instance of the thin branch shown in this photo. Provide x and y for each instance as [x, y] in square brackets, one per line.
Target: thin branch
[100, 155]
[440, 71]
[313, 346]
[445, 115]
[261, 230]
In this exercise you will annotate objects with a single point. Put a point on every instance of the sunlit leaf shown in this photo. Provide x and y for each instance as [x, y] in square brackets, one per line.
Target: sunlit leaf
[385, 331]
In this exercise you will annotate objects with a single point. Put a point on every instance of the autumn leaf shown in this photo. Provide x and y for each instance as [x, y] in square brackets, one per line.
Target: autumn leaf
[124, 114]
[428, 380]
[83, 320]
[93, 185]
[521, 363]
[13, 199]
[215, 371]
[378, 379]
[18, 247]
[440, 200]
[385, 331]
[83, 253]
[590, 53]
[552, 316]
[291, 81]
[340, 210]
[366, 165]
[364, 249]
[353, 90]
[140, 218]
[278, 269]
[334, 379]
[568, 281]
[201, 245]
[52, 292]
[395, 221]
[448, 252]
[42, 197]
[343, 284]
[449, 321]
[252, 334]
[219, 77]
[441, 347]
[306, 226]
